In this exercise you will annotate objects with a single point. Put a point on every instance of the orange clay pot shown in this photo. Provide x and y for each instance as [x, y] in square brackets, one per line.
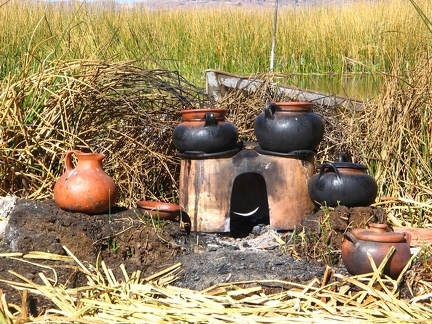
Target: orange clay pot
[376, 241]
[85, 188]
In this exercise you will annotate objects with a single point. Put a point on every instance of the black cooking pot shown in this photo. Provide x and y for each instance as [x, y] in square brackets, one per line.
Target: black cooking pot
[343, 183]
[205, 130]
[288, 126]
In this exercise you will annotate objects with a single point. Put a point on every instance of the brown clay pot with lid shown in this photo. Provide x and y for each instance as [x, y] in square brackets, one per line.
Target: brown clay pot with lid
[86, 187]
[205, 130]
[342, 183]
[376, 241]
[285, 127]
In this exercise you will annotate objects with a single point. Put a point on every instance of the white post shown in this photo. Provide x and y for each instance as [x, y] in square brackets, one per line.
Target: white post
[274, 36]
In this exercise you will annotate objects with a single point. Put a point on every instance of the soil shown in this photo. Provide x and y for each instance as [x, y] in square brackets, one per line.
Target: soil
[140, 243]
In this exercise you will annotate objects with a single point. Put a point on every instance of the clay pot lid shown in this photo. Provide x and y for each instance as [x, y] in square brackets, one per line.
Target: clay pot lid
[343, 163]
[348, 165]
[378, 233]
[295, 105]
[199, 114]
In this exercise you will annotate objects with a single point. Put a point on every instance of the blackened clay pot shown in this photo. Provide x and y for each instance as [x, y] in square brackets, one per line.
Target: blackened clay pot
[376, 241]
[288, 126]
[85, 188]
[342, 183]
[205, 130]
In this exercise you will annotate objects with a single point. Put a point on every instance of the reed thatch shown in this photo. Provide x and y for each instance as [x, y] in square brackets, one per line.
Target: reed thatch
[131, 299]
[119, 109]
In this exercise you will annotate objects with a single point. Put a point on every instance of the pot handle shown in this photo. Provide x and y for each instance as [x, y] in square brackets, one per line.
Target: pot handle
[210, 120]
[270, 110]
[331, 165]
[407, 237]
[351, 237]
[342, 157]
[68, 161]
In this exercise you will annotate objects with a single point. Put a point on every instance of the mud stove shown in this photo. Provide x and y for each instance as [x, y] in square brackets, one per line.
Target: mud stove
[231, 192]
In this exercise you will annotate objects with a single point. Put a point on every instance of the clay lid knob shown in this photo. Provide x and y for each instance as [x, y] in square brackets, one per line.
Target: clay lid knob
[379, 228]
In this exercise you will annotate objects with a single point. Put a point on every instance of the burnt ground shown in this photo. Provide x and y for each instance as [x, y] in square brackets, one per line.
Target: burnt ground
[126, 237]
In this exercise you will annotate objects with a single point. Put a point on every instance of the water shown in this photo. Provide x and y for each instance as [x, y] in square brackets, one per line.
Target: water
[359, 86]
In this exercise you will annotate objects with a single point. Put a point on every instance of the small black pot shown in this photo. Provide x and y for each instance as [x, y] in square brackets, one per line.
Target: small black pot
[343, 183]
[206, 131]
[288, 126]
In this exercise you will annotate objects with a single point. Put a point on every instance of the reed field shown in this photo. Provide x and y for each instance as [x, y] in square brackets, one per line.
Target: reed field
[113, 79]
[357, 37]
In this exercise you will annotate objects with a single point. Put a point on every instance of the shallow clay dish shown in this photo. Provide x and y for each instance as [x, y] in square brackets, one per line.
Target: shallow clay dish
[167, 211]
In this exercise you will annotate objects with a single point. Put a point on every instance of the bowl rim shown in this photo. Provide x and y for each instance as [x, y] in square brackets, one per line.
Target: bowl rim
[158, 205]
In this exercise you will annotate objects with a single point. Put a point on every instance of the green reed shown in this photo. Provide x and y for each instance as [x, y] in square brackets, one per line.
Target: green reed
[352, 38]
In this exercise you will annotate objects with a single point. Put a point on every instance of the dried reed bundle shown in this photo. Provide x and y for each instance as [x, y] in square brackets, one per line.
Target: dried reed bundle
[132, 299]
[119, 109]
[393, 136]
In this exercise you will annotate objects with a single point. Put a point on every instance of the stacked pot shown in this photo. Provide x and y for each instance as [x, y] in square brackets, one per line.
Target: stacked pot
[205, 131]
[283, 127]
[286, 127]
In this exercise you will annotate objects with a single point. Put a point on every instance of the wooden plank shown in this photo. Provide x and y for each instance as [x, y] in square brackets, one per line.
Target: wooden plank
[218, 83]
[419, 236]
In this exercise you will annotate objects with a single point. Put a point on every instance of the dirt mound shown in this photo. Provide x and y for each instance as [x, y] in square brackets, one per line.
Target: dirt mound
[150, 246]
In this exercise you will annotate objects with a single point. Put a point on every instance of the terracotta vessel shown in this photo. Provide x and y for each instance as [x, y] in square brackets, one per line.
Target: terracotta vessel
[376, 241]
[85, 188]
[158, 209]
[205, 130]
[288, 126]
[343, 183]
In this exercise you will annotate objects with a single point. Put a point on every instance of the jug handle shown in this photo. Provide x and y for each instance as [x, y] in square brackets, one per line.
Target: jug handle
[68, 161]
[270, 110]
[210, 120]
[351, 237]
[329, 164]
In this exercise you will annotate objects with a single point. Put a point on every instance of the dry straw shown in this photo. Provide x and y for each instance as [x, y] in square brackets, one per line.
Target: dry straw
[119, 109]
[393, 137]
[130, 299]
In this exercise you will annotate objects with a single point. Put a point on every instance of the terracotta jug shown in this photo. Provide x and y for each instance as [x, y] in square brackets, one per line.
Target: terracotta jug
[288, 126]
[376, 241]
[85, 188]
[205, 130]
